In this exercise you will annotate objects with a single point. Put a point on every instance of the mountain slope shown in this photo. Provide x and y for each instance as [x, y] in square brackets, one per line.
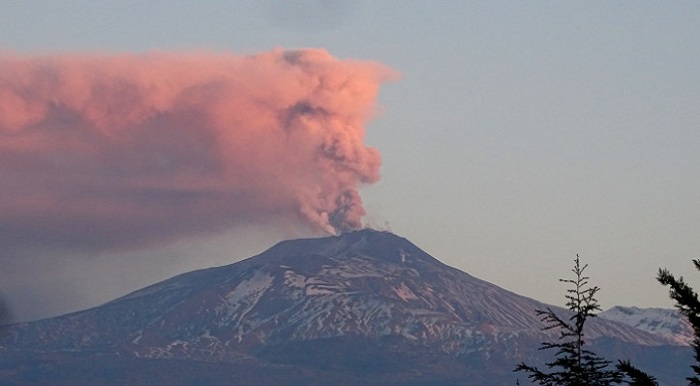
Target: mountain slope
[366, 302]
[665, 322]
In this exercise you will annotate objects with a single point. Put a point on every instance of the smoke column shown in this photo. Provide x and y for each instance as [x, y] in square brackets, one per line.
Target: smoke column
[109, 151]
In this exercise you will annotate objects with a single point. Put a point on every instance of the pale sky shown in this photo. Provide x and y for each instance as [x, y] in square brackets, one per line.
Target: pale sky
[519, 134]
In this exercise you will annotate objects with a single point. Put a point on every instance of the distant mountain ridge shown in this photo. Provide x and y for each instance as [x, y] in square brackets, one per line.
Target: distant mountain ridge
[341, 307]
[660, 321]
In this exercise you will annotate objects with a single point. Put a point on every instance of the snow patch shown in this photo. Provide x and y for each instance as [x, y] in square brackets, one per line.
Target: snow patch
[315, 290]
[405, 293]
[294, 280]
[665, 322]
[250, 290]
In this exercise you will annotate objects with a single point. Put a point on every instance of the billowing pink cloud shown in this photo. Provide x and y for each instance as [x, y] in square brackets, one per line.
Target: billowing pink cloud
[118, 150]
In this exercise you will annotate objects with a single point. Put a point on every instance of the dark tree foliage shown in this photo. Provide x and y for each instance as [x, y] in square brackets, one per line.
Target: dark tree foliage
[5, 319]
[5, 316]
[573, 364]
[635, 376]
[689, 305]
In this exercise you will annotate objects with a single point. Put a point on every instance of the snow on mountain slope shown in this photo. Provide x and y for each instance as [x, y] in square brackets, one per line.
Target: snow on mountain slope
[365, 294]
[365, 283]
[668, 323]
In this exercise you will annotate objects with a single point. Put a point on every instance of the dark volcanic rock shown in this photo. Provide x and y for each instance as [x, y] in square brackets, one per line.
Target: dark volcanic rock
[365, 307]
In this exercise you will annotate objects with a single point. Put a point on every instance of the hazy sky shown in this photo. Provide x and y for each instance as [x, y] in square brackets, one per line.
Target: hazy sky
[519, 134]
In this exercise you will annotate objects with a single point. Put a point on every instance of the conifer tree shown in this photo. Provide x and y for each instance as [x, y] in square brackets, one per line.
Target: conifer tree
[5, 319]
[5, 316]
[689, 305]
[635, 376]
[573, 365]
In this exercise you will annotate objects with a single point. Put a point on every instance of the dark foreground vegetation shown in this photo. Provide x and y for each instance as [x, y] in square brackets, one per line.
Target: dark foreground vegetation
[574, 364]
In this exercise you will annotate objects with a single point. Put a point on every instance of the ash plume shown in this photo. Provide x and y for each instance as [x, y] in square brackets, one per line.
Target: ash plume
[110, 151]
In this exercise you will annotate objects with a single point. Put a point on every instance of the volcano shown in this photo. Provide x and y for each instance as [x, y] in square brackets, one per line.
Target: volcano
[363, 308]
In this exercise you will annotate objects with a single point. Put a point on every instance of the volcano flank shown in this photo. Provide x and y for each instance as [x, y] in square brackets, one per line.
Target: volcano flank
[365, 307]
